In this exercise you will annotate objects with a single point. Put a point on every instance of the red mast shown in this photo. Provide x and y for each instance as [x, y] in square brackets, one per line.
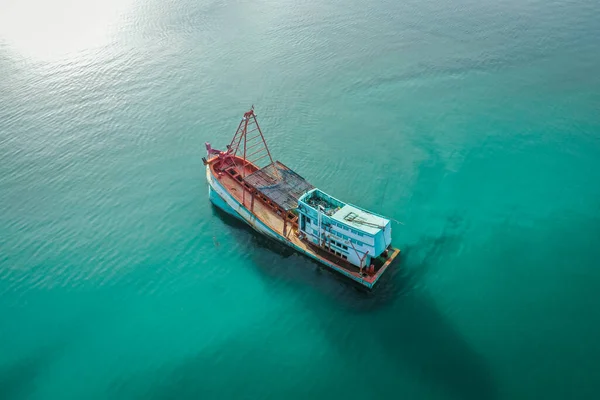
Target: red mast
[252, 149]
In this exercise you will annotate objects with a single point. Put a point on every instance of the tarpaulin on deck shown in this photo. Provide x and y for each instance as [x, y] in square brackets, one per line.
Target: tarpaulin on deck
[280, 184]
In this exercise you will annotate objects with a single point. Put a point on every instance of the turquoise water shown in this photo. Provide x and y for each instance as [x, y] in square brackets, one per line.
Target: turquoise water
[475, 124]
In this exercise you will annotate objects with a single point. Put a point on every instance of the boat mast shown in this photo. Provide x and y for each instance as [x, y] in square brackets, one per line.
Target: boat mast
[256, 143]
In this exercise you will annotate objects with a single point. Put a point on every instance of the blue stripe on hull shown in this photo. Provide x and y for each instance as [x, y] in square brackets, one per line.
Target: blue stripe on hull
[242, 212]
[222, 204]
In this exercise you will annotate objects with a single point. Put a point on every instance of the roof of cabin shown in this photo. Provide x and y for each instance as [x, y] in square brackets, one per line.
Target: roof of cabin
[280, 184]
[360, 220]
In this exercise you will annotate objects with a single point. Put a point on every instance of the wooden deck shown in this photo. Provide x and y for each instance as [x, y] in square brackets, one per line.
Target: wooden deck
[231, 178]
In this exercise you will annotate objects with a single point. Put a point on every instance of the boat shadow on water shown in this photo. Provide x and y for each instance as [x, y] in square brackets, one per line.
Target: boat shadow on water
[409, 341]
[411, 331]
[414, 340]
[18, 379]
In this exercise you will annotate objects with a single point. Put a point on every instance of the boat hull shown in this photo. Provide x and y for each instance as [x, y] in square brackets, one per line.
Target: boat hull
[220, 203]
[222, 199]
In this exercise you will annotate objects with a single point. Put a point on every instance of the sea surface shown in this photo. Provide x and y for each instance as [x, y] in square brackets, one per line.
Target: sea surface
[473, 124]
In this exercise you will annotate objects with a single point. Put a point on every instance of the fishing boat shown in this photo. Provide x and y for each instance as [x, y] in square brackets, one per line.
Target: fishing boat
[279, 203]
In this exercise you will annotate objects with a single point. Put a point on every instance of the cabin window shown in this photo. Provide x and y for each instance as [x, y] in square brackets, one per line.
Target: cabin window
[239, 178]
[344, 257]
[344, 247]
[308, 220]
[337, 253]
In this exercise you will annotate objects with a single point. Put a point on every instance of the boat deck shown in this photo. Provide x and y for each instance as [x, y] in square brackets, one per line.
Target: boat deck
[231, 178]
